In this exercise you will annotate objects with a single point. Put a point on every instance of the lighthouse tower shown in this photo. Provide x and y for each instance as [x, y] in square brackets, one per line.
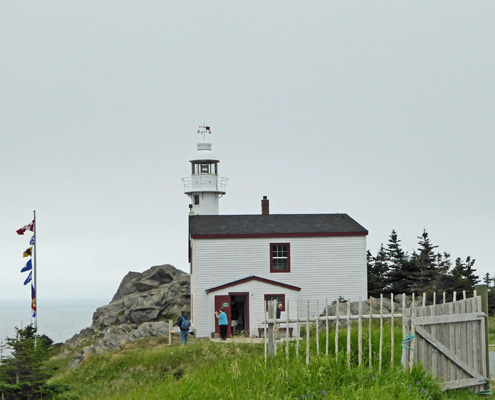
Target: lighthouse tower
[204, 187]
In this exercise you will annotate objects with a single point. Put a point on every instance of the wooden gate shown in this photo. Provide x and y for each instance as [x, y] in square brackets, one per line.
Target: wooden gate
[450, 340]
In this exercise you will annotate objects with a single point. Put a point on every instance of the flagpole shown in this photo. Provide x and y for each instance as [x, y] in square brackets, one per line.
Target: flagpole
[34, 268]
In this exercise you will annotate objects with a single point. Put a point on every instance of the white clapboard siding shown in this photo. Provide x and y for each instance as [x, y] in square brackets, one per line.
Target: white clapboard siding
[323, 267]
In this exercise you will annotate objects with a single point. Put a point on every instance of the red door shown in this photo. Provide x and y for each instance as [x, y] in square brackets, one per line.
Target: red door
[222, 302]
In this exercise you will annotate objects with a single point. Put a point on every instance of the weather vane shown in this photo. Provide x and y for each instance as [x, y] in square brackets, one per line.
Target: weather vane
[204, 130]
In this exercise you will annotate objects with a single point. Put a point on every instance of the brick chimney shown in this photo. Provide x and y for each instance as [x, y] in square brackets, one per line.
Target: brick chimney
[265, 206]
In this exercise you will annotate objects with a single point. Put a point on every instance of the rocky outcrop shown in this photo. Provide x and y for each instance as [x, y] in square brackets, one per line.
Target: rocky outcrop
[141, 307]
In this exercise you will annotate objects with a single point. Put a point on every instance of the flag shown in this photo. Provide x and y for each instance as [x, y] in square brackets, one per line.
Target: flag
[33, 300]
[28, 227]
[29, 278]
[28, 252]
[28, 266]
[32, 240]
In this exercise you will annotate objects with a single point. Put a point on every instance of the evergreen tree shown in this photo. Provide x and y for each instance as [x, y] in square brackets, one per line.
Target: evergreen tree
[491, 293]
[463, 272]
[377, 272]
[23, 375]
[425, 262]
[399, 268]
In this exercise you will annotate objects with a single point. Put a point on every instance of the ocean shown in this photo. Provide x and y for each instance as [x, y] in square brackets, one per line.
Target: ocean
[58, 319]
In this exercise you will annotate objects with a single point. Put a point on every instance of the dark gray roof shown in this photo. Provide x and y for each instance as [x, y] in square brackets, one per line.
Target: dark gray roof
[274, 224]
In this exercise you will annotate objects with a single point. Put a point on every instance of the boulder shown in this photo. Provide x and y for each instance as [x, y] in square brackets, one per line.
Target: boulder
[140, 314]
[141, 307]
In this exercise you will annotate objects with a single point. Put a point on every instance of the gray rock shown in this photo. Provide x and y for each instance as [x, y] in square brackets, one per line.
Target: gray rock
[88, 350]
[76, 361]
[127, 285]
[387, 305]
[142, 314]
[146, 284]
[141, 307]
[151, 278]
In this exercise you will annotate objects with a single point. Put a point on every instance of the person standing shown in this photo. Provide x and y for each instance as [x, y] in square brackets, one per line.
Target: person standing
[184, 324]
[223, 323]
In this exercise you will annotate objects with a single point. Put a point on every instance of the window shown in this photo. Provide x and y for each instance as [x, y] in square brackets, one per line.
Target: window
[279, 257]
[204, 168]
[196, 199]
[279, 297]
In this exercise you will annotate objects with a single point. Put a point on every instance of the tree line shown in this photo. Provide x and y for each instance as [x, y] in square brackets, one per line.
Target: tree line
[393, 270]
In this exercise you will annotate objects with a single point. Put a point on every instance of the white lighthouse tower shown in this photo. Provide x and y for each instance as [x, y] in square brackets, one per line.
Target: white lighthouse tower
[204, 187]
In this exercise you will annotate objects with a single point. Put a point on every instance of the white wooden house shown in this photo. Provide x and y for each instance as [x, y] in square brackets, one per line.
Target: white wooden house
[240, 261]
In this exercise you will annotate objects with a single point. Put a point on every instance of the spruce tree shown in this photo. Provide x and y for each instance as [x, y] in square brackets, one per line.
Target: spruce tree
[399, 268]
[425, 261]
[464, 274]
[377, 272]
[23, 375]
[491, 293]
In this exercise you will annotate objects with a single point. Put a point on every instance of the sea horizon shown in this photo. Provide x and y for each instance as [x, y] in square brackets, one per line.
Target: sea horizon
[59, 319]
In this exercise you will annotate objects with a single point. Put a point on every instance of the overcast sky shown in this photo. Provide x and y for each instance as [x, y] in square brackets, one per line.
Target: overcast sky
[383, 110]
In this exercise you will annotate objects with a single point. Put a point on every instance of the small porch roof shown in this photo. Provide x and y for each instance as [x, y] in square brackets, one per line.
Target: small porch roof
[253, 278]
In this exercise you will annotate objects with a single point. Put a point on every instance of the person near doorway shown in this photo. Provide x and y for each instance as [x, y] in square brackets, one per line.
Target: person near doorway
[223, 323]
[184, 324]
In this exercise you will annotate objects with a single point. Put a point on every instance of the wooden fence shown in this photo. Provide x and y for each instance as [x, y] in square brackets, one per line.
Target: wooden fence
[450, 340]
[342, 327]
[453, 371]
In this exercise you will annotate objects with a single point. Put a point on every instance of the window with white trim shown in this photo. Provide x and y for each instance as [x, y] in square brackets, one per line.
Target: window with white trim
[279, 257]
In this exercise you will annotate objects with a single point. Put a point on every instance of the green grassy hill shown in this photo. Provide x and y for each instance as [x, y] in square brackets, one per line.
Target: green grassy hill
[150, 369]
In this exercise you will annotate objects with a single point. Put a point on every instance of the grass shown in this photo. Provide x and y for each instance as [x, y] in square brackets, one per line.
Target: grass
[150, 369]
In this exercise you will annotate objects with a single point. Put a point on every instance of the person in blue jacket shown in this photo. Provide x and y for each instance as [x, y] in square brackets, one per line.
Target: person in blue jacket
[184, 324]
[223, 323]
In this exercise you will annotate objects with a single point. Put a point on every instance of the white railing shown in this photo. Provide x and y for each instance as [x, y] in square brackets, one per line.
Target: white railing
[207, 183]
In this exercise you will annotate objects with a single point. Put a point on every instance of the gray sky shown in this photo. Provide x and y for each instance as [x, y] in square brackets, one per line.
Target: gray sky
[379, 109]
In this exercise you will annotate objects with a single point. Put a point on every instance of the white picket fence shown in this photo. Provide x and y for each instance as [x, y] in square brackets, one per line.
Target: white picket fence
[342, 322]
[342, 326]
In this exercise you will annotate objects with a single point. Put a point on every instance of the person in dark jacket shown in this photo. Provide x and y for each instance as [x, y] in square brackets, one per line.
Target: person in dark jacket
[182, 323]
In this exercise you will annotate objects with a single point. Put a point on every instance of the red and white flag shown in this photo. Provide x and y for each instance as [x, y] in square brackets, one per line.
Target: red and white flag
[28, 227]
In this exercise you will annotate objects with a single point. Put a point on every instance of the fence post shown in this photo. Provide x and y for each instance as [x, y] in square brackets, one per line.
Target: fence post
[287, 332]
[370, 344]
[170, 334]
[326, 326]
[337, 322]
[298, 330]
[349, 333]
[392, 342]
[381, 333]
[360, 332]
[482, 290]
[307, 333]
[265, 334]
[271, 327]
[317, 328]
